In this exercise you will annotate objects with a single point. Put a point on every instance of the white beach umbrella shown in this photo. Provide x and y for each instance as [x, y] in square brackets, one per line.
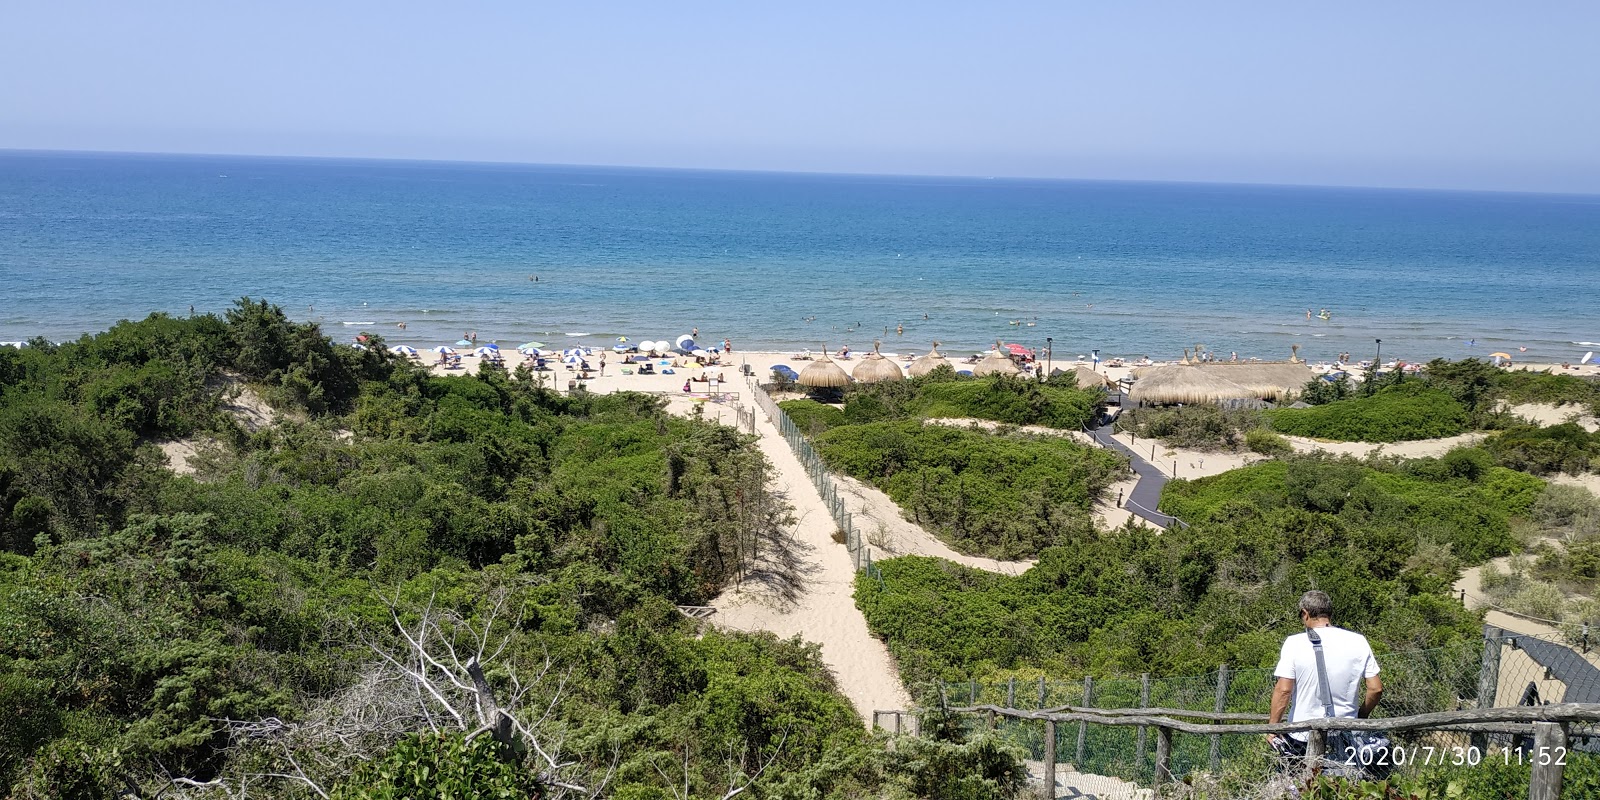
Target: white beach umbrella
[444, 348]
[487, 352]
[403, 349]
[686, 343]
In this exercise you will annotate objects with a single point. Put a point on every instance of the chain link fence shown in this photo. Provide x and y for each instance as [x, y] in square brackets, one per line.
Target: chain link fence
[817, 471]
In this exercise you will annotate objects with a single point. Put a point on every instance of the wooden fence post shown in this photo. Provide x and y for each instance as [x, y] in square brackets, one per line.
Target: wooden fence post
[1548, 757]
[972, 693]
[1050, 759]
[1223, 677]
[1163, 756]
[1144, 702]
[1488, 679]
[1083, 727]
[1316, 745]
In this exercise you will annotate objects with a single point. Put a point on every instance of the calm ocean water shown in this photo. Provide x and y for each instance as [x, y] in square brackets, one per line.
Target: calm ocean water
[783, 261]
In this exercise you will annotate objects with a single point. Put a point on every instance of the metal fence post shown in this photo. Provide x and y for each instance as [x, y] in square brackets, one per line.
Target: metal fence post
[1083, 727]
[1144, 702]
[1222, 705]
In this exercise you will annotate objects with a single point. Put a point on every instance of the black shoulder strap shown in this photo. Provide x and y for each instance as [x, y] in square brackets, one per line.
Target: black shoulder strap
[1322, 671]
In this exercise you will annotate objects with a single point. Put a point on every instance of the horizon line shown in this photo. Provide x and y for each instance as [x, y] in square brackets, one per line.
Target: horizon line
[796, 172]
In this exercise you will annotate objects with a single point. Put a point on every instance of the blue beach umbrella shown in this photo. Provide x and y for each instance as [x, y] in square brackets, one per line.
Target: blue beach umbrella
[964, 372]
[444, 348]
[404, 350]
[464, 343]
[487, 352]
[489, 346]
[786, 371]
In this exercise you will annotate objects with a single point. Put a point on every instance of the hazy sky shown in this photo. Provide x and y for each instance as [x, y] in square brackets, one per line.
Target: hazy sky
[1436, 93]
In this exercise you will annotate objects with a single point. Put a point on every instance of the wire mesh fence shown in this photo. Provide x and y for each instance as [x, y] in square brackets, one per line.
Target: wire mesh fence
[817, 471]
[1502, 670]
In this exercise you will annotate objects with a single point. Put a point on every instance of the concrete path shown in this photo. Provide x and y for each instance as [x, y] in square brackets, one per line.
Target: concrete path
[1145, 498]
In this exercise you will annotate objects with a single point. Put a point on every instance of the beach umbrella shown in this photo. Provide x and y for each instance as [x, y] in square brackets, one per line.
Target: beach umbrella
[487, 352]
[572, 351]
[699, 353]
[403, 349]
[359, 346]
[641, 359]
[823, 373]
[1499, 355]
[446, 349]
[531, 345]
[686, 343]
[996, 363]
[874, 368]
[786, 371]
[489, 346]
[928, 363]
[1018, 350]
[463, 343]
[573, 359]
[1589, 356]
[622, 338]
[966, 372]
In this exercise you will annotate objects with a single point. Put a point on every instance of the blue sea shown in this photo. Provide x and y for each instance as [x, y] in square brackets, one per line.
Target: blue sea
[783, 261]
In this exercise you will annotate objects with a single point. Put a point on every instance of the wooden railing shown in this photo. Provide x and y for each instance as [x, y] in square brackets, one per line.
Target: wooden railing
[1547, 724]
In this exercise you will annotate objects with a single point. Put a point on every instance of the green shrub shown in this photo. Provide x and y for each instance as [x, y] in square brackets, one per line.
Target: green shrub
[1200, 427]
[812, 417]
[1004, 496]
[1267, 443]
[1566, 447]
[1002, 398]
[1403, 413]
[443, 767]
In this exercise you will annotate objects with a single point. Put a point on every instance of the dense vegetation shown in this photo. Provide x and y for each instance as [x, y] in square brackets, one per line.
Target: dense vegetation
[1207, 428]
[995, 494]
[326, 586]
[1566, 447]
[1385, 539]
[1400, 413]
[942, 394]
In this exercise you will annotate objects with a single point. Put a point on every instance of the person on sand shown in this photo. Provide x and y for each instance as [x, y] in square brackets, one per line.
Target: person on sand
[1346, 658]
[686, 387]
[727, 345]
[602, 365]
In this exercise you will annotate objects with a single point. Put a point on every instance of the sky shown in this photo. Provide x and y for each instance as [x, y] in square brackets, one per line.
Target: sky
[1454, 94]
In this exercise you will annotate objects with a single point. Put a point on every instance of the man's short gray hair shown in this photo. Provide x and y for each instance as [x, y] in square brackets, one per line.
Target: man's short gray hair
[1317, 605]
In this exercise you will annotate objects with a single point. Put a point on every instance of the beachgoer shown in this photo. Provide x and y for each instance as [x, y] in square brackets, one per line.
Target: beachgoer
[686, 387]
[191, 310]
[1233, 356]
[602, 365]
[693, 333]
[727, 346]
[1308, 315]
[1348, 660]
[900, 329]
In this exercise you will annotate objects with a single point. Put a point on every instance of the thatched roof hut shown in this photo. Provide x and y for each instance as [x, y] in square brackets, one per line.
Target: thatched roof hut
[996, 363]
[928, 363]
[1217, 383]
[823, 373]
[1273, 381]
[875, 368]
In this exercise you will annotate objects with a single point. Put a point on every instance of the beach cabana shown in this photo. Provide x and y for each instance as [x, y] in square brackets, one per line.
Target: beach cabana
[996, 363]
[1183, 383]
[928, 363]
[874, 368]
[822, 373]
[1087, 378]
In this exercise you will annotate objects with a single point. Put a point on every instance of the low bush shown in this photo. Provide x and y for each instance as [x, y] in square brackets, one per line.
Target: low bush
[1566, 447]
[1199, 427]
[812, 417]
[1004, 496]
[1267, 443]
[1398, 414]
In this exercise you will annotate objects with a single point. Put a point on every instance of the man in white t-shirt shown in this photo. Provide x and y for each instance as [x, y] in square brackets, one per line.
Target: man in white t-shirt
[1349, 660]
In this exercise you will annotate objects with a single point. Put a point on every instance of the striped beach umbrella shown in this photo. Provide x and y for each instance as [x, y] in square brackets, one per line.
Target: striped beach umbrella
[403, 349]
[444, 348]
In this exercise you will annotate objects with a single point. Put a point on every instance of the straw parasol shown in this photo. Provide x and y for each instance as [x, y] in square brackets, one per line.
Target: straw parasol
[928, 363]
[823, 373]
[875, 368]
[1088, 378]
[996, 363]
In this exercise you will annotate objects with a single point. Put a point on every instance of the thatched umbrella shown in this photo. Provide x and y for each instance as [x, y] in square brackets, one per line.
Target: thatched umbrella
[1180, 383]
[823, 373]
[996, 363]
[1270, 381]
[928, 363]
[1088, 378]
[875, 368]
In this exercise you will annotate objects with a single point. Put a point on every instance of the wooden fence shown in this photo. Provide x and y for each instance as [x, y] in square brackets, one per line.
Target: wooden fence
[1548, 725]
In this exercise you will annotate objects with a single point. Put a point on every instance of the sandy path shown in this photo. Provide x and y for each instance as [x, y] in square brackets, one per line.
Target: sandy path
[890, 534]
[824, 610]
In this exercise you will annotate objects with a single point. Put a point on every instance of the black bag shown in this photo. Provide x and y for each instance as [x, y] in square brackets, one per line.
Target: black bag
[1353, 754]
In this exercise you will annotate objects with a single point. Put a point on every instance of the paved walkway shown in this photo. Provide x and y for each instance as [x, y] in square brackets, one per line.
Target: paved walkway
[1146, 495]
